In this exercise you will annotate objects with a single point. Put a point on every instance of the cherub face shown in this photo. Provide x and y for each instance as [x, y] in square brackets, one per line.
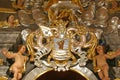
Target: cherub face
[22, 49]
[100, 49]
[11, 18]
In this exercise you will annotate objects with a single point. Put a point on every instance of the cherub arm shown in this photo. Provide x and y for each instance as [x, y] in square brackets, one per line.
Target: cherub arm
[7, 53]
[111, 55]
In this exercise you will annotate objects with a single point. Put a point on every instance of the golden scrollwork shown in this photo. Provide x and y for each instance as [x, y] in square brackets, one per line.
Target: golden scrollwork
[64, 12]
[61, 35]
[94, 42]
[3, 78]
[18, 5]
[1, 61]
[29, 44]
[118, 62]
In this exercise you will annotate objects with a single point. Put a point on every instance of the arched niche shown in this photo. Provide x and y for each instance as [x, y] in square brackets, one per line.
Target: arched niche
[75, 73]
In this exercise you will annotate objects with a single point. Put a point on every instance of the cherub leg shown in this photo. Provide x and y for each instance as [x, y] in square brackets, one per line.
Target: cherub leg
[19, 76]
[15, 71]
[100, 74]
[106, 74]
[15, 76]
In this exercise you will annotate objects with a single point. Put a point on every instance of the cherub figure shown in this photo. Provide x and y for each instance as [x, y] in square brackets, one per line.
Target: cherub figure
[10, 22]
[18, 67]
[100, 63]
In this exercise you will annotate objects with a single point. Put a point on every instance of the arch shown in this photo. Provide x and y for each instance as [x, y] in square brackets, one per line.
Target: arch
[44, 72]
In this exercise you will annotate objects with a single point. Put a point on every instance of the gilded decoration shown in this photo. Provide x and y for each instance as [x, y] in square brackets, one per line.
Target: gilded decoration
[62, 40]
